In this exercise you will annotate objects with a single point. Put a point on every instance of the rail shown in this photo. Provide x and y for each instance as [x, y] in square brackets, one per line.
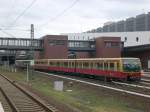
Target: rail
[18, 103]
[100, 85]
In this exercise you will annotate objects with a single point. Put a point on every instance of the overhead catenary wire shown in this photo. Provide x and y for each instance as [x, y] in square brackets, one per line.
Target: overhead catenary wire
[60, 14]
[24, 11]
[9, 14]
[7, 33]
[11, 35]
[21, 14]
[26, 30]
[17, 18]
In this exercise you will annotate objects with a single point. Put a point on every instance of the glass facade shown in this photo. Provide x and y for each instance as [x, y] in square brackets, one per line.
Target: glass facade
[83, 44]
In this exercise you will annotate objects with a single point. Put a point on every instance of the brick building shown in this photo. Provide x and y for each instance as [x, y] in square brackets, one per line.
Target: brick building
[108, 47]
[54, 47]
[59, 47]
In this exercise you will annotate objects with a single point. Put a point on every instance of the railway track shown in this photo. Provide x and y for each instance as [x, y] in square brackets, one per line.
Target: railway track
[132, 85]
[139, 87]
[145, 83]
[145, 80]
[146, 76]
[5, 106]
[132, 90]
[14, 98]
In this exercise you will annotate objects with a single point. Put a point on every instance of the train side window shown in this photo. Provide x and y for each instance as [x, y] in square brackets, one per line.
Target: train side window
[111, 66]
[86, 65]
[94, 65]
[72, 64]
[58, 64]
[76, 64]
[99, 65]
[69, 63]
[105, 66]
[65, 64]
[41, 62]
[118, 66]
[91, 65]
[62, 64]
[79, 64]
[45, 62]
[51, 63]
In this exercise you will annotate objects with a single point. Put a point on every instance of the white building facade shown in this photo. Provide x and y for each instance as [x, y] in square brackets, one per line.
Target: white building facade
[129, 38]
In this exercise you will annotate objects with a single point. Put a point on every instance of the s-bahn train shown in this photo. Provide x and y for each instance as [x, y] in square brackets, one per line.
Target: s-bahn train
[110, 68]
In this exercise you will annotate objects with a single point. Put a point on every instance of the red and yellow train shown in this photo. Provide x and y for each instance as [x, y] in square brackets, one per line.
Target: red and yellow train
[111, 68]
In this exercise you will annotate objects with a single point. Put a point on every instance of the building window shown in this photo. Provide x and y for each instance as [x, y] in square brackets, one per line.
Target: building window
[60, 42]
[112, 44]
[51, 43]
[56, 42]
[83, 37]
[125, 39]
[137, 39]
[115, 44]
[107, 44]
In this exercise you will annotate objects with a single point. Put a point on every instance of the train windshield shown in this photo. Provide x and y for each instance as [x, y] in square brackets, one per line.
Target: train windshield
[131, 65]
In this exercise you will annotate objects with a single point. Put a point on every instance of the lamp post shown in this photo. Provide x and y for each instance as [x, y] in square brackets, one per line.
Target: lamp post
[27, 72]
[32, 45]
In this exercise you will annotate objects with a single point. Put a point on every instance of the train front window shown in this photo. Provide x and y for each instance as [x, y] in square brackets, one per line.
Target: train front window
[131, 65]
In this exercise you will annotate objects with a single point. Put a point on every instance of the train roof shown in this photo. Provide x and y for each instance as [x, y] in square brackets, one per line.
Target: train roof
[24, 60]
[80, 59]
[88, 59]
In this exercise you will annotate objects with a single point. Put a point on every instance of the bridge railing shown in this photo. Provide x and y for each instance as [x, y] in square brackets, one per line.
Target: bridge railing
[20, 43]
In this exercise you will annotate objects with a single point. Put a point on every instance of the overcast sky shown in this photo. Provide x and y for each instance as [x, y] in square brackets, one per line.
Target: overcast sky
[64, 16]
